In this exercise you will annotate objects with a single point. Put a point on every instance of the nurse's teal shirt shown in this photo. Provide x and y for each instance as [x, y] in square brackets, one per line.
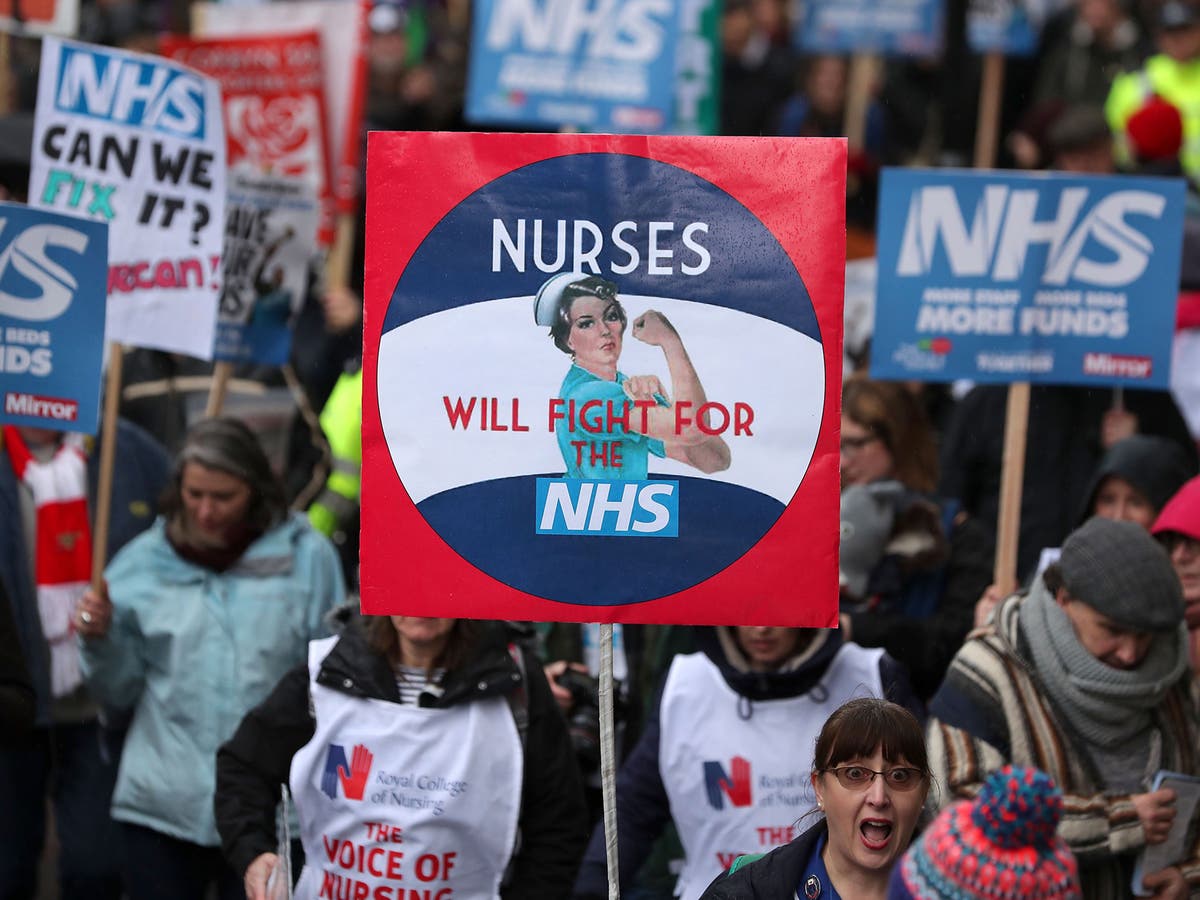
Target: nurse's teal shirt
[581, 386]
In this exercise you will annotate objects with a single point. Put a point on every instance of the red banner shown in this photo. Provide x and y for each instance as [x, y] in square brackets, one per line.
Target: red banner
[274, 103]
[342, 25]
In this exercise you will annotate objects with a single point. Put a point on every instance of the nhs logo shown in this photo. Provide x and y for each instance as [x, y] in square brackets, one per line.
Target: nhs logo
[620, 30]
[29, 255]
[127, 89]
[595, 507]
[1095, 243]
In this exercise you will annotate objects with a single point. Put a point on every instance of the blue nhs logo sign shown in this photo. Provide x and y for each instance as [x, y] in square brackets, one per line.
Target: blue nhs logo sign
[621, 508]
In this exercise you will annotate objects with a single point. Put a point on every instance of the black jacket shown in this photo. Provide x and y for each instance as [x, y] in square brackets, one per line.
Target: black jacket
[953, 578]
[774, 877]
[256, 760]
[16, 690]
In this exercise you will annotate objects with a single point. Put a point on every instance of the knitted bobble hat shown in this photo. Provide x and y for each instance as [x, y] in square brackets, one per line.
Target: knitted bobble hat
[1155, 131]
[1000, 846]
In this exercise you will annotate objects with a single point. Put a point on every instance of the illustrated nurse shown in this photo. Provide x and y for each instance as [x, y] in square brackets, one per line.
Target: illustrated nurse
[632, 416]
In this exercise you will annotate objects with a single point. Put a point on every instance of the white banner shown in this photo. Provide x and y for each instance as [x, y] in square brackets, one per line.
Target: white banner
[138, 142]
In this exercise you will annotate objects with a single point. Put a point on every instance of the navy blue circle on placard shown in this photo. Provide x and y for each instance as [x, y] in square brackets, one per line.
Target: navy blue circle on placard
[490, 524]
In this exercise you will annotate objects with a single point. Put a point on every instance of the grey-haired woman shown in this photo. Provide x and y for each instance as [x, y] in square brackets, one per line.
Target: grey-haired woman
[201, 616]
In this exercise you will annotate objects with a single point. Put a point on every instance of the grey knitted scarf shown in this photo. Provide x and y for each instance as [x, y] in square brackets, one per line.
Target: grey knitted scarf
[1106, 706]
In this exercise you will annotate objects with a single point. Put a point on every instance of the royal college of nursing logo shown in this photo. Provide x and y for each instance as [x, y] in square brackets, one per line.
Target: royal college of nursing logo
[350, 774]
[736, 787]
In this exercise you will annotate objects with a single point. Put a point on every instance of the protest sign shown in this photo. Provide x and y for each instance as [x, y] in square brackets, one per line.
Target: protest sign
[39, 16]
[270, 240]
[1057, 279]
[894, 27]
[1006, 27]
[137, 141]
[697, 488]
[52, 275]
[342, 25]
[552, 64]
[274, 102]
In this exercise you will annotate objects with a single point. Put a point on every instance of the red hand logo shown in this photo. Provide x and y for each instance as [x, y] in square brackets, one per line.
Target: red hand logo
[354, 782]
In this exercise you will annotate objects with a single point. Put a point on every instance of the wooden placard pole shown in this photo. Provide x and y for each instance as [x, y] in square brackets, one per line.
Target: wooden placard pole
[1012, 481]
[222, 372]
[1016, 416]
[991, 93]
[108, 455]
[860, 85]
[337, 264]
[197, 16]
[6, 79]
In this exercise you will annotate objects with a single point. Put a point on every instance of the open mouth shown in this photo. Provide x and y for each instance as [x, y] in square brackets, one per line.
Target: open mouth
[875, 833]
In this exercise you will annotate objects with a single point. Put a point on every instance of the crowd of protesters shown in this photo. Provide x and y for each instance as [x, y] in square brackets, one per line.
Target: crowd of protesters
[149, 724]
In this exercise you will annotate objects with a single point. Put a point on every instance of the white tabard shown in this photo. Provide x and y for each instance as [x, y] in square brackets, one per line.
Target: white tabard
[402, 803]
[737, 772]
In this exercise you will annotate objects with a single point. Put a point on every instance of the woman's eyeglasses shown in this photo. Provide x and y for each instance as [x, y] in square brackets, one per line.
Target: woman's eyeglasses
[858, 778]
[1173, 540]
[854, 444]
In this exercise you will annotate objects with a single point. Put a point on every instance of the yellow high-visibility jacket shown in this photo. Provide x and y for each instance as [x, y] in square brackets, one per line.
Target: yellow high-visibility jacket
[1177, 83]
[341, 420]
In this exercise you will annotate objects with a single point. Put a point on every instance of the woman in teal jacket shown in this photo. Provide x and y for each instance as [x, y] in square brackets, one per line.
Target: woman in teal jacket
[208, 610]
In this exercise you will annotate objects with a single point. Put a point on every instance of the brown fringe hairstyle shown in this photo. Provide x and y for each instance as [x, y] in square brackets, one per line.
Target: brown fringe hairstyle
[858, 726]
[893, 414]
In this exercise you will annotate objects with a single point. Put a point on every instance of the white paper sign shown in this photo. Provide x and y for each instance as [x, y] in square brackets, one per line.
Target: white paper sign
[138, 142]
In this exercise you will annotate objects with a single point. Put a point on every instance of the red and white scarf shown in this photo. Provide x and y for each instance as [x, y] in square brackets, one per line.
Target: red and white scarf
[63, 546]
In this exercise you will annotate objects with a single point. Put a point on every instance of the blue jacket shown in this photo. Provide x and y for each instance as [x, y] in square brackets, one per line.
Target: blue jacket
[192, 651]
[142, 471]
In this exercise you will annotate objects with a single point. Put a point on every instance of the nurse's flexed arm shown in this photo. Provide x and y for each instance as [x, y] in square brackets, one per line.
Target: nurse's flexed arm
[689, 443]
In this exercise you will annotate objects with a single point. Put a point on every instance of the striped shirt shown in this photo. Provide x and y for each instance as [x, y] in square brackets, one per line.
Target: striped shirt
[412, 681]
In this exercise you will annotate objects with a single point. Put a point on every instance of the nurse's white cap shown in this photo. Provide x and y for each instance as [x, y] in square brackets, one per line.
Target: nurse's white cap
[549, 296]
